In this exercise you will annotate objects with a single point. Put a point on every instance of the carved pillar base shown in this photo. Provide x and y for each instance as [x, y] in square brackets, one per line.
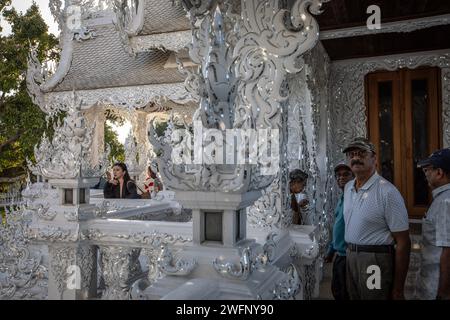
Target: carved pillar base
[121, 268]
[73, 272]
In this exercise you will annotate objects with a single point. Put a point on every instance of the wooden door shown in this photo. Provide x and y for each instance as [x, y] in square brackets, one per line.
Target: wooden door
[404, 123]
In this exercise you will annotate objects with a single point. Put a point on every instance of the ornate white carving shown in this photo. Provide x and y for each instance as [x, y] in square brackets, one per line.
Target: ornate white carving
[136, 156]
[124, 16]
[402, 26]
[104, 208]
[446, 106]
[250, 259]
[54, 234]
[288, 289]
[68, 154]
[120, 267]
[91, 9]
[266, 213]
[82, 256]
[232, 271]
[347, 91]
[22, 273]
[124, 97]
[169, 265]
[172, 41]
[243, 90]
[84, 34]
[153, 239]
[38, 199]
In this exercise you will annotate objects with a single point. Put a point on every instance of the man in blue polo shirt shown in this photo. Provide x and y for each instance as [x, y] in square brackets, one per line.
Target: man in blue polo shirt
[434, 281]
[337, 247]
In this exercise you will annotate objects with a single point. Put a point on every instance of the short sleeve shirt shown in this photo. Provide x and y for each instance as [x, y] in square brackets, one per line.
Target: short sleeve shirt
[435, 235]
[373, 212]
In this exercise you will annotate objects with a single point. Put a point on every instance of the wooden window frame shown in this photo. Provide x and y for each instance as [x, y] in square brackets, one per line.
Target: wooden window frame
[402, 134]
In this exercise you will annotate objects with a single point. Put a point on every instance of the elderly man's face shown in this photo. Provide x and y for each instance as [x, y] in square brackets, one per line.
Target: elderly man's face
[435, 176]
[343, 176]
[361, 161]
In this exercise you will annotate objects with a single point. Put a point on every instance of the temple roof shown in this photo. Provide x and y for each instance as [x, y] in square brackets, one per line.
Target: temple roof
[102, 62]
[162, 17]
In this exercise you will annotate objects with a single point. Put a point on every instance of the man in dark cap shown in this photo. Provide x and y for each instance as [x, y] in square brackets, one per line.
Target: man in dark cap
[337, 247]
[434, 282]
[375, 220]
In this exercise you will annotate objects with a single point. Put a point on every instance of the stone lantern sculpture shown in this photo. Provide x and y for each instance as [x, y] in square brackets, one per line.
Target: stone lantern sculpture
[64, 162]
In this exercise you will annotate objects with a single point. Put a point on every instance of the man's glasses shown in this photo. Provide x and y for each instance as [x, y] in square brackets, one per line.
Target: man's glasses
[429, 168]
[358, 153]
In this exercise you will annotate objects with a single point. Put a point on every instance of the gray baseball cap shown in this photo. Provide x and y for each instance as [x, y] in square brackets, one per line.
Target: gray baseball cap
[360, 143]
[341, 165]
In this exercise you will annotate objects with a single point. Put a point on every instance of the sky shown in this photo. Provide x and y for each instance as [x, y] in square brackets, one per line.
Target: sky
[23, 5]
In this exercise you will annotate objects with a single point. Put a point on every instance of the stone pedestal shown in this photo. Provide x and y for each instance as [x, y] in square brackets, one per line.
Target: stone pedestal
[72, 263]
[219, 218]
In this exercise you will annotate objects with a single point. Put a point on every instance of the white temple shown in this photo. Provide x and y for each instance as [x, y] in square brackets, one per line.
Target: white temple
[219, 230]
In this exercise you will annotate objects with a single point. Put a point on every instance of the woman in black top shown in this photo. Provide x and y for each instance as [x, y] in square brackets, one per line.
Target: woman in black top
[121, 185]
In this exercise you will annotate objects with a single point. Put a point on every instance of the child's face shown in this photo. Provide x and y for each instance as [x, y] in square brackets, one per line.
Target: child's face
[297, 186]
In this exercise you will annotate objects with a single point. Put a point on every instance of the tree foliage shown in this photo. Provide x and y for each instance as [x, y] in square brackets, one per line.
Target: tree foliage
[117, 149]
[21, 122]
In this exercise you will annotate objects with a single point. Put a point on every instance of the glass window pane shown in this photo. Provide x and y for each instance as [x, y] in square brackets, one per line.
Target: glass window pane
[386, 142]
[419, 101]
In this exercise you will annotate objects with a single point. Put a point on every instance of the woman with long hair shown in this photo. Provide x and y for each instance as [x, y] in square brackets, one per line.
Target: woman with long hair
[121, 185]
[152, 183]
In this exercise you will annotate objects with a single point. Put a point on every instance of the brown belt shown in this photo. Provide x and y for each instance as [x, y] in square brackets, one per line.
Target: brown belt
[366, 248]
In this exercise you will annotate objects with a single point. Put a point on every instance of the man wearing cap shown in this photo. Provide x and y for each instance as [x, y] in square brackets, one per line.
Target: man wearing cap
[337, 247]
[376, 229]
[434, 281]
[299, 202]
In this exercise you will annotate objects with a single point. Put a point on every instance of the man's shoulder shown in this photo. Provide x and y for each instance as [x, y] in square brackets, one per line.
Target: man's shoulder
[349, 185]
[386, 186]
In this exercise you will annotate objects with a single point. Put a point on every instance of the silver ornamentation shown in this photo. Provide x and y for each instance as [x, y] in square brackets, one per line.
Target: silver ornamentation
[156, 238]
[84, 34]
[124, 11]
[68, 154]
[446, 106]
[135, 156]
[45, 214]
[289, 288]
[169, 265]
[54, 234]
[120, 267]
[124, 97]
[22, 273]
[270, 246]
[403, 26]
[71, 215]
[231, 271]
[248, 262]
[63, 257]
[171, 41]
[104, 208]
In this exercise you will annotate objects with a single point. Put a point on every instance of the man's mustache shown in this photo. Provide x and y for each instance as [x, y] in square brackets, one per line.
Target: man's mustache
[355, 162]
